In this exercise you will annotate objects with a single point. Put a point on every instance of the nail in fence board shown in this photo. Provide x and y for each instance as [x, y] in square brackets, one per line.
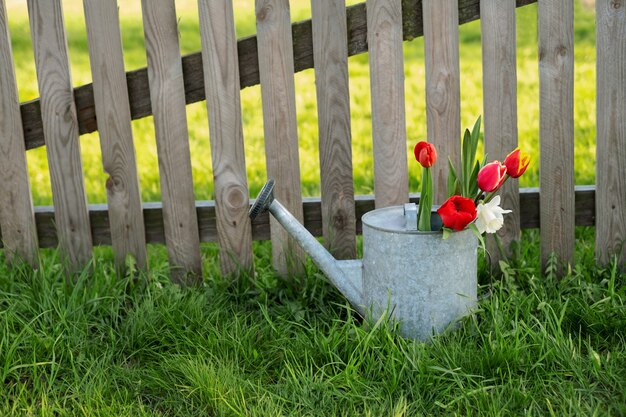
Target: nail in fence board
[280, 124]
[611, 131]
[386, 59]
[335, 140]
[221, 80]
[165, 74]
[116, 137]
[556, 128]
[500, 107]
[443, 114]
[17, 219]
[60, 128]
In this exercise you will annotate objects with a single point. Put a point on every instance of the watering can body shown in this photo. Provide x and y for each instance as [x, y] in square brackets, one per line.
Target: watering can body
[421, 280]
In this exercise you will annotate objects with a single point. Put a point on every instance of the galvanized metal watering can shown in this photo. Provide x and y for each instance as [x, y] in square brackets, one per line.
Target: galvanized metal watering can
[423, 281]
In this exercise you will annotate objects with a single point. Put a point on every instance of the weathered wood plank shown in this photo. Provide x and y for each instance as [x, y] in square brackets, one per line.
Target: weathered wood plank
[312, 208]
[165, 73]
[611, 131]
[116, 136]
[335, 138]
[17, 219]
[556, 130]
[386, 59]
[500, 107]
[60, 127]
[443, 101]
[221, 78]
[248, 66]
[280, 124]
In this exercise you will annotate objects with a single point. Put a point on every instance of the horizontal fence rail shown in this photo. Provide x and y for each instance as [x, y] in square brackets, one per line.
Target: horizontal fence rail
[311, 207]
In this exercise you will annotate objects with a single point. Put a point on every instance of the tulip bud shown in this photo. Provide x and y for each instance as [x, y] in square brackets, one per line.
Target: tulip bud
[516, 163]
[425, 154]
[491, 176]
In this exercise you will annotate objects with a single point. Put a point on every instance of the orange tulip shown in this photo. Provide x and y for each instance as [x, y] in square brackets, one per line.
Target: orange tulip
[516, 163]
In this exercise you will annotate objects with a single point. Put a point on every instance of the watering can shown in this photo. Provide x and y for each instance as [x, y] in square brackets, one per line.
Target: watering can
[421, 280]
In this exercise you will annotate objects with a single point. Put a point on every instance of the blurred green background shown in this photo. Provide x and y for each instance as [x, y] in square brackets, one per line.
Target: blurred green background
[471, 100]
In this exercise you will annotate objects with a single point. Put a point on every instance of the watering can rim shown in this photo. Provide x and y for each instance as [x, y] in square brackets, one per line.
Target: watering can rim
[366, 220]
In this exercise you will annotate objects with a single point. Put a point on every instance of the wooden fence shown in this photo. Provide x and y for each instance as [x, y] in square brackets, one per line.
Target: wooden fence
[270, 58]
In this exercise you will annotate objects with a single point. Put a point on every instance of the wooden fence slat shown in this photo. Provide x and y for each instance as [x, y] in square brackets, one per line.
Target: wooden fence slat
[556, 130]
[335, 140]
[60, 127]
[611, 131]
[116, 136]
[165, 74]
[17, 219]
[443, 100]
[386, 59]
[500, 107]
[221, 79]
[280, 124]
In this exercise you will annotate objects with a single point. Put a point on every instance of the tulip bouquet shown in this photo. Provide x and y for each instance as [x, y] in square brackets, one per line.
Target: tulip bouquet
[471, 202]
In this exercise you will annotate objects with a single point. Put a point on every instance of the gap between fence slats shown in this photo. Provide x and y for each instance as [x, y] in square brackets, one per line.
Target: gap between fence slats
[386, 60]
[116, 136]
[500, 108]
[221, 78]
[611, 131]
[443, 114]
[165, 73]
[335, 140]
[280, 124]
[556, 130]
[17, 219]
[60, 128]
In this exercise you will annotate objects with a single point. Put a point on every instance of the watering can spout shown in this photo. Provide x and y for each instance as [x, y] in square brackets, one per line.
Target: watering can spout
[346, 276]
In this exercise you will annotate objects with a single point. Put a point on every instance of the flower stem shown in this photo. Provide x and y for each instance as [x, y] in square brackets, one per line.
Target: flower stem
[426, 201]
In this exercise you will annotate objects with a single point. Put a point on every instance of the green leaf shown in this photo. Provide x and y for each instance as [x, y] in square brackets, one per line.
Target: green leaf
[446, 233]
[426, 201]
[466, 162]
[475, 139]
[453, 181]
[473, 181]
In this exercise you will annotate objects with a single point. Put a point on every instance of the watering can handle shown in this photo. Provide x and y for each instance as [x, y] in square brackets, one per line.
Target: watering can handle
[410, 216]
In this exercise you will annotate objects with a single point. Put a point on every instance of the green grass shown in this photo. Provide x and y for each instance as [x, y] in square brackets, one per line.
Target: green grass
[471, 101]
[109, 345]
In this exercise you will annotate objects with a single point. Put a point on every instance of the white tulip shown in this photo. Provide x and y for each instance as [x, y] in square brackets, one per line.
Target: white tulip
[489, 216]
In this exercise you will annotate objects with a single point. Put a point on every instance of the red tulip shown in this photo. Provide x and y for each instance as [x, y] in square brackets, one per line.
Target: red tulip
[491, 176]
[425, 154]
[516, 163]
[457, 212]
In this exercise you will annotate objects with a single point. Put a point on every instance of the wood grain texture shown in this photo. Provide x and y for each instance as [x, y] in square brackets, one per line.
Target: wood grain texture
[221, 78]
[137, 80]
[611, 131]
[17, 219]
[116, 136]
[165, 74]
[556, 130]
[60, 127]
[335, 138]
[386, 59]
[443, 101]
[280, 124]
[311, 207]
[500, 108]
